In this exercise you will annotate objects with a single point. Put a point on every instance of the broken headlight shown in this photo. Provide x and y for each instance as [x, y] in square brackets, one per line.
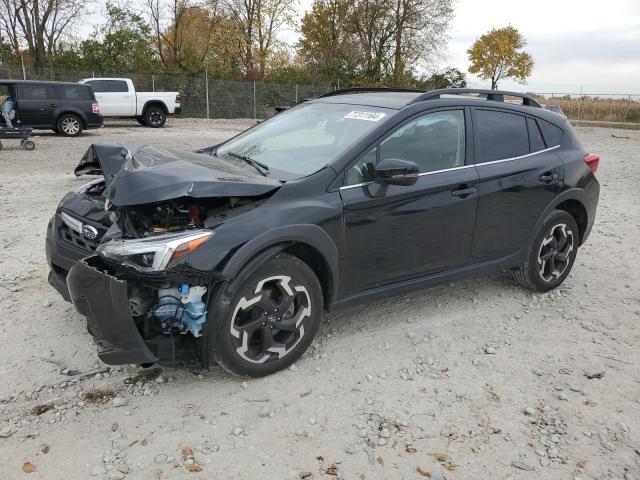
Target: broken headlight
[153, 253]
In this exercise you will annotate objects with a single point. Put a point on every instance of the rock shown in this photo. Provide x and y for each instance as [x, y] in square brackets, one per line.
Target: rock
[553, 453]
[312, 421]
[244, 385]
[293, 368]
[119, 401]
[6, 432]
[384, 433]
[161, 458]
[629, 476]
[529, 411]
[562, 396]
[489, 350]
[382, 441]
[123, 468]
[369, 377]
[538, 372]
[521, 466]
[98, 470]
[116, 475]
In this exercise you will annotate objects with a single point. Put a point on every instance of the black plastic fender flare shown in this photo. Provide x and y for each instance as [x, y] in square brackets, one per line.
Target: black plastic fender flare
[273, 241]
[573, 194]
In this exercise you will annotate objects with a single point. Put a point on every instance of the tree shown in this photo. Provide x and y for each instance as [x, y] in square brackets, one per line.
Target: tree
[498, 54]
[40, 24]
[122, 44]
[448, 78]
[259, 22]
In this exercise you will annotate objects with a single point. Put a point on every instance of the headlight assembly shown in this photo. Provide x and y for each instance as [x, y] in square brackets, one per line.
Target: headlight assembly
[153, 253]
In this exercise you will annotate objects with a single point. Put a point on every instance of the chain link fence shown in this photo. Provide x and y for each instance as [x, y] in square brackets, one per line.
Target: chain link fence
[204, 97]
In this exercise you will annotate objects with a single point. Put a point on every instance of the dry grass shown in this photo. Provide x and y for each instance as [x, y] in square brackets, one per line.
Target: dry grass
[597, 108]
[99, 395]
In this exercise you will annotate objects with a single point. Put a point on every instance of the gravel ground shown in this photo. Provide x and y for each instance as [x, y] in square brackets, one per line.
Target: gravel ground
[477, 379]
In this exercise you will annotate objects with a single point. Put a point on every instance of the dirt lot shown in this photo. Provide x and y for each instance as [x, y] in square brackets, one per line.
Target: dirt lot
[478, 379]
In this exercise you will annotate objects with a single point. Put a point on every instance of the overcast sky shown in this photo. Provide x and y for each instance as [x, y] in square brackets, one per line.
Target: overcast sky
[591, 43]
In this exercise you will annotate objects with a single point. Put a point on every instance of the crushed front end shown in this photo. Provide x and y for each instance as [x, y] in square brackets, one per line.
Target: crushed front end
[144, 318]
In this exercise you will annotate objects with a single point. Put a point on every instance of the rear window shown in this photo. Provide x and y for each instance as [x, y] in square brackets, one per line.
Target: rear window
[552, 134]
[536, 142]
[76, 92]
[38, 92]
[96, 85]
[115, 86]
[501, 135]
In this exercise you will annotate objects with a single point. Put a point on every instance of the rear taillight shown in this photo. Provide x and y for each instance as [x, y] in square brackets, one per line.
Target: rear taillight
[178, 99]
[95, 108]
[592, 160]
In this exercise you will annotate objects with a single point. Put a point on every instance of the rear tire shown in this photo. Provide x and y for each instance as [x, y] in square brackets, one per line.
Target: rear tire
[551, 253]
[274, 314]
[69, 125]
[155, 117]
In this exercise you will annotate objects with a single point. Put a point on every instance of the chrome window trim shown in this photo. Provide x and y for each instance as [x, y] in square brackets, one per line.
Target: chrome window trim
[346, 187]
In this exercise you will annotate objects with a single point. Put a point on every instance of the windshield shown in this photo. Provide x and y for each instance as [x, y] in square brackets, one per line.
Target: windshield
[306, 138]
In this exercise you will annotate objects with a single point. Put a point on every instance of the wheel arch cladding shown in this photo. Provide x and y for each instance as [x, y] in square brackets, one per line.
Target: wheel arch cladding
[578, 211]
[310, 243]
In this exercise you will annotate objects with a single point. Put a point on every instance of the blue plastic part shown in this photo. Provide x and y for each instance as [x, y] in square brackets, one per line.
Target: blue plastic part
[173, 313]
[184, 288]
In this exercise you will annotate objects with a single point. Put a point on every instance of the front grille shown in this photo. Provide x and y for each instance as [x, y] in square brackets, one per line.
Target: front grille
[76, 239]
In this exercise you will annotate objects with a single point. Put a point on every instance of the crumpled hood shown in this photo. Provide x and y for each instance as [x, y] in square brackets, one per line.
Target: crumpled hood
[139, 174]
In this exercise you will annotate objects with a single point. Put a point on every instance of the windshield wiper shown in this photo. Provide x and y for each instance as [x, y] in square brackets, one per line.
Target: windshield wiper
[259, 166]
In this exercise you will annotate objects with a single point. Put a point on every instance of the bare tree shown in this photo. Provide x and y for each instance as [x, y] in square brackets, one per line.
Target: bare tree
[39, 24]
[259, 22]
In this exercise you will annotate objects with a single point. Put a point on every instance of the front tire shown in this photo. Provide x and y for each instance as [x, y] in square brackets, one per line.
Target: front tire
[155, 117]
[551, 253]
[141, 121]
[69, 125]
[274, 314]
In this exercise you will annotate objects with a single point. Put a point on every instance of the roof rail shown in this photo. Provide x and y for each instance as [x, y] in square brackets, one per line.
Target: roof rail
[494, 95]
[346, 91]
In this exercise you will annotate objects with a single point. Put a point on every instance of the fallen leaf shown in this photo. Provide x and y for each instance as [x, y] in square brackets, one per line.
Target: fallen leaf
[332, 470]
[40, 409]
[194, 467]
[411, 449]
[187, 453]
[45, 449]
[320, 458]
[422, 472]
[305, 474]
[380, 460]
[591, 376]
[449, 466]
[590, 403]
[444, 370]
[305, 393]
[28, 467]
[441, 457]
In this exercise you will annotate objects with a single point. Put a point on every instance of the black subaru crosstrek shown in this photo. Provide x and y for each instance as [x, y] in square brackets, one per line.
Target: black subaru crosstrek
[233, 253]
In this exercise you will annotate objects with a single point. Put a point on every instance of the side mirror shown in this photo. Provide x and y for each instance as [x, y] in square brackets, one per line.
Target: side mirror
[393, 171]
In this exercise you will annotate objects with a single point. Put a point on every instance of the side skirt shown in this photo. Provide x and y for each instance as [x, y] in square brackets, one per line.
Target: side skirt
[398, 288]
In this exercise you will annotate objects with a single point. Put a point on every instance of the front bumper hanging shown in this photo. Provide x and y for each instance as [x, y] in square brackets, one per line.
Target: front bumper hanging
[103, 299]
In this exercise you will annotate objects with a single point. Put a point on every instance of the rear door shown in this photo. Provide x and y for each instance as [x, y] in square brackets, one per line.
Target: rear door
[519, 175]
[37, 103]
[415, 230]
[117, 97]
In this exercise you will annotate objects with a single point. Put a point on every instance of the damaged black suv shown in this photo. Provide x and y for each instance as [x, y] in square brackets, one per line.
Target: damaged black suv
[233, 253]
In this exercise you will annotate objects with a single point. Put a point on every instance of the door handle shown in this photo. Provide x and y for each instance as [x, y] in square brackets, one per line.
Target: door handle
[53, 104]
[548, 177]
[464, 191]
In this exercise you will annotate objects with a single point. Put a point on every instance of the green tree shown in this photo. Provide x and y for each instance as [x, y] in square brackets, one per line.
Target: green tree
[122, 44]
[448, 78]
[498, 54]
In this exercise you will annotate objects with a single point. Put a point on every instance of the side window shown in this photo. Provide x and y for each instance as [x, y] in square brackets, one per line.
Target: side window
[37, 92]
[435, 141]
[115, 86]
[500, 135]
[536, 142]
[552, 134]
[75, 92]
[97, 85]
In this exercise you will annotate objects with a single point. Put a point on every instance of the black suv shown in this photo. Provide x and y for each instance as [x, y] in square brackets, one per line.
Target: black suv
[234, 252]
[66, 108]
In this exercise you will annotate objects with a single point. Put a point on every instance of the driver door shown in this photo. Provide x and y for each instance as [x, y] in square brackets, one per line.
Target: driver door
[411, 231]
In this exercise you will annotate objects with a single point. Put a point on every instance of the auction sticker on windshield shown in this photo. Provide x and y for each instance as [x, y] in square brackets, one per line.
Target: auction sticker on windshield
[368, 116]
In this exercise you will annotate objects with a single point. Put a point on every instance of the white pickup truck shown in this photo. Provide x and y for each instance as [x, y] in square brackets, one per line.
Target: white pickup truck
[117, 97]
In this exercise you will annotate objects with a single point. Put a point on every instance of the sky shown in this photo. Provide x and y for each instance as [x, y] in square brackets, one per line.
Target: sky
[590, 44]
